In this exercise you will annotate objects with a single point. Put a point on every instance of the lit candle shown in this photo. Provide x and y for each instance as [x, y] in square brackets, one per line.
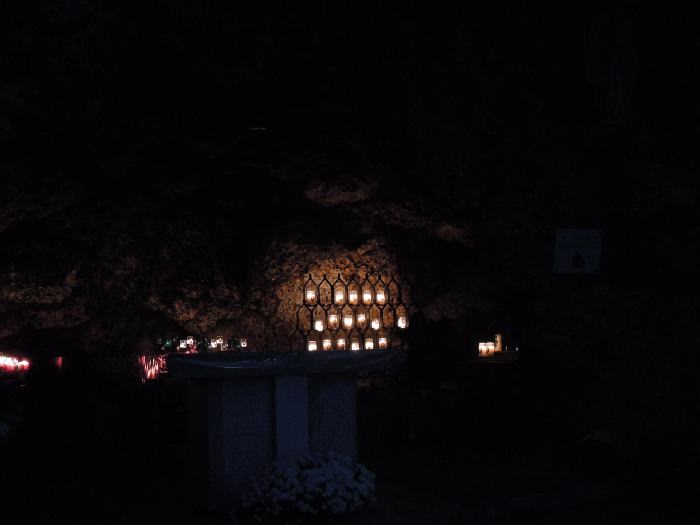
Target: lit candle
[312, 346]
[369, 343]
[376, 324]
[326, 344]
[381, 298]
[482, 349]
[333, 321]
[244, 343]
[403, 322]
[341, 344]
[361, 318]
[355, 345]
[367, 297]
[339, 296]
[490, 348]
[311, 296]
[190, 341]
[352, 296]
[318, 325]
[347, 321]
[382, 342]
[183, 344]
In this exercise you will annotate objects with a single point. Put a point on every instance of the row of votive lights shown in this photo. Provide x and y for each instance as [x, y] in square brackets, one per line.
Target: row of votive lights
[352, 296]
[327, 344]
[12, 364]
[190, 344]
[376, 324]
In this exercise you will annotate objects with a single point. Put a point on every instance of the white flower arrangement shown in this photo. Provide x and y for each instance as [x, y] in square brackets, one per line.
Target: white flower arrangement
[309, 486]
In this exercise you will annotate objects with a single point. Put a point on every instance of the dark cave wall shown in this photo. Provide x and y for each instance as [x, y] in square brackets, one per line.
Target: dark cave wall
[136, 200]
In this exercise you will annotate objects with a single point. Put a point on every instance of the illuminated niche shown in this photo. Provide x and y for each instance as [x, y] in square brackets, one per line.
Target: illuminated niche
[360, 313]
[488, 349]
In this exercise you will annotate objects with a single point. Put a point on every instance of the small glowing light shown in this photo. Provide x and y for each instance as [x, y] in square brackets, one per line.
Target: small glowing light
[367, 297]
[183, 344]
[190, 341]
[369, 343]
[355, 345]
[318, 325]
[402, 322]
[312, 346]
[244, 343]
[347, 321]
[361, 318]
[382, 343]
[381, 298]
[352, 296]
[327, 345]
[341, 344]
[333, 321]
[490, 348]
[376, 324]
[311, 296]
[339, 296]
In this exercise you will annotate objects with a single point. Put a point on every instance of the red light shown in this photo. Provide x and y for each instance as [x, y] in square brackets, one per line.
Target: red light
[152, 366]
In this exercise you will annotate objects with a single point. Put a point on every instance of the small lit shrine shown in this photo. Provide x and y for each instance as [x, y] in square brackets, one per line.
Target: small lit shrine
[360, 313]
[496, 350]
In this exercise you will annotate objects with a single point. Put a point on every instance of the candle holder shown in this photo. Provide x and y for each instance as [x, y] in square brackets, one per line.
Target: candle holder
[361, 312]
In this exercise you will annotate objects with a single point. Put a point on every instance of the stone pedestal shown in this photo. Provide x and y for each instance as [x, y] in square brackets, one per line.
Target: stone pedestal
[246, 411]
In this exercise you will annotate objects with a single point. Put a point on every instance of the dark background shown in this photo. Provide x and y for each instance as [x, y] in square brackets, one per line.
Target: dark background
[133, 173]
